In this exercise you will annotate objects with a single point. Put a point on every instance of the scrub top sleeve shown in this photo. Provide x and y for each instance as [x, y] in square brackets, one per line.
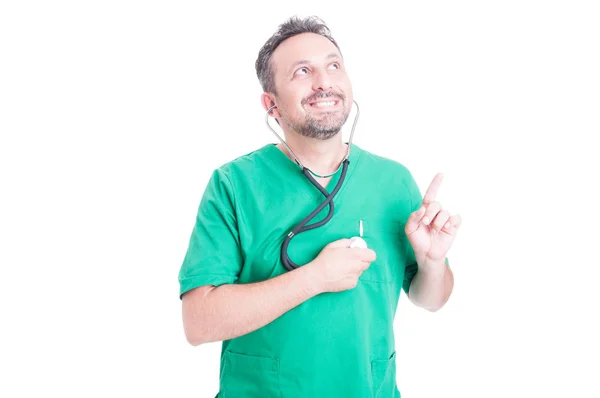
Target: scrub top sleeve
[213, 255]
[411, 266]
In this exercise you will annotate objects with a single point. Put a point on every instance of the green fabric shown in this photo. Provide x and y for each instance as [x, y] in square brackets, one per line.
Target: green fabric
[334, 344]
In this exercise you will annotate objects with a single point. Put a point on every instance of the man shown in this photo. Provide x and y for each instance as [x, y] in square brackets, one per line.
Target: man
[325, 328]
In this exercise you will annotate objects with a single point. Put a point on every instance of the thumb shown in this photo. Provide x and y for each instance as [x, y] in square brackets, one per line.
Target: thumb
[339, 243]
[414, 220]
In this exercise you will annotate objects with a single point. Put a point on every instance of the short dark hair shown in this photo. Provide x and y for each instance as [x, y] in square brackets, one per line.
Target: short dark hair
[292, 27]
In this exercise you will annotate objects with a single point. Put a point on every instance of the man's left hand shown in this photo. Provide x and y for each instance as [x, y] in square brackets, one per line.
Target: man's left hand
[431, 230]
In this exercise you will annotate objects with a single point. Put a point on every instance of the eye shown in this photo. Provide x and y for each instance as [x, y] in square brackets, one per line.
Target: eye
[302, 71]
[336, 65]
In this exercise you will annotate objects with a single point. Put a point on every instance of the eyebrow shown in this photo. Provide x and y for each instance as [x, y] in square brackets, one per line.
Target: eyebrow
[304, 61]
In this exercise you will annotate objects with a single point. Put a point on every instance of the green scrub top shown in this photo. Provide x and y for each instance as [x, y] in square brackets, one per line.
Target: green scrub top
[334, 344]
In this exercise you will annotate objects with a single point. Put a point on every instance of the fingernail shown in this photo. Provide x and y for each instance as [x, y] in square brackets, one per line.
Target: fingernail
[426, 220]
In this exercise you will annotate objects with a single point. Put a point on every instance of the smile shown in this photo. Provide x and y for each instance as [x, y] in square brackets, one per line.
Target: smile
[324, 104]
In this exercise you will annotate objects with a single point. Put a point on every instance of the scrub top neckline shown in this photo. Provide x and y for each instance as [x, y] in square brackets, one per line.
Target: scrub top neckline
[354, 153]
[289, 163]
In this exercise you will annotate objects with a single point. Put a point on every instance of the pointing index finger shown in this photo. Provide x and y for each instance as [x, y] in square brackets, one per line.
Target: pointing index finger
[433, 188]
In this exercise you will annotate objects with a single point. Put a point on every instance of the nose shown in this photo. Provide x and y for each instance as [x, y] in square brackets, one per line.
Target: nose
[322, 81]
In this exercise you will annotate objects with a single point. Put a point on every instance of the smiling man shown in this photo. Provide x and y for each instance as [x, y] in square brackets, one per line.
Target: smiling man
[312, 316]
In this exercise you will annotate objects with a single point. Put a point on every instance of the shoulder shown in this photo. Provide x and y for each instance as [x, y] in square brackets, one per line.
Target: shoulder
[386, 166]
[227, 179]
[241, 165]
[392, 174]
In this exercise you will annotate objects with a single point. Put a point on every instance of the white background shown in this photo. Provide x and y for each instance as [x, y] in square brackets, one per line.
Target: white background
[113, 114]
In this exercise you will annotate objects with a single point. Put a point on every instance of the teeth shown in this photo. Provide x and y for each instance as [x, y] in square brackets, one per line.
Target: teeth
[324, 104]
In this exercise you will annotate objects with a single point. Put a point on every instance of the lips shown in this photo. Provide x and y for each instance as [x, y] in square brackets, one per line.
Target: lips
[326, 99]
[330, 102]
[325, 103]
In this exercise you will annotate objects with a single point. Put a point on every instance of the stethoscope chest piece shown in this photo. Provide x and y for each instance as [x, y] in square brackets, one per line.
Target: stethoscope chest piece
[359, 242]
[302, 227]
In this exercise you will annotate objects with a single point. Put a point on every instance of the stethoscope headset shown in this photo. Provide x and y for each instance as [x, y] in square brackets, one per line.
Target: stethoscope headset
[302, 227]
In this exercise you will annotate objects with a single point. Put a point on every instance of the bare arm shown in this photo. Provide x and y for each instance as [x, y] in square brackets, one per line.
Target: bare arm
[431, 231]
[432, 285]
[228, 311]
[220, 313]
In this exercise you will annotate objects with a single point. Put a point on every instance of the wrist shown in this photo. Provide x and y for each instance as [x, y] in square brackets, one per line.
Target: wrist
[311, 279]
[426, 262]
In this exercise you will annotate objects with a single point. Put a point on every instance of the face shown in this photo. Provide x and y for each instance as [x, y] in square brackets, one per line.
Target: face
[314, 94]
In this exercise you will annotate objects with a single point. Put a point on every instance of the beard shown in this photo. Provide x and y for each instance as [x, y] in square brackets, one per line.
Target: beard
[322, 126]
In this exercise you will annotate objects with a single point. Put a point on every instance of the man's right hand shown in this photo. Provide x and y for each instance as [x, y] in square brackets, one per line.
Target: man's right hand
[235, 309]
[338, 267]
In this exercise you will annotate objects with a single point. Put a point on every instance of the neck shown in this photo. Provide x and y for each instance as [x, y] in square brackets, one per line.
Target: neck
[321, 156]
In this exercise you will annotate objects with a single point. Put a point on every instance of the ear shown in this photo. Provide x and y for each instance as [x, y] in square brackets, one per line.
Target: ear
[268, 101]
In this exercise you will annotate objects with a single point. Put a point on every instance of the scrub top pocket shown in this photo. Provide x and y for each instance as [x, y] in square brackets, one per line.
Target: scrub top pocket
[387, 239]
[249, 376]
[383, 372]
[389, 242]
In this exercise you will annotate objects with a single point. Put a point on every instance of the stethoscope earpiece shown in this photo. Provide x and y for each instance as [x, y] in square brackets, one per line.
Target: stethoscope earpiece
[294, 155]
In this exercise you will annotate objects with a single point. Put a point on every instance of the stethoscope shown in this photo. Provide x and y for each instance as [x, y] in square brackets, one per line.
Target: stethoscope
[302, 227]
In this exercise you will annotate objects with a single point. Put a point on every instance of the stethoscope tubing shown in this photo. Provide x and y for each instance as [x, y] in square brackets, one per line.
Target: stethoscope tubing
[301, 226]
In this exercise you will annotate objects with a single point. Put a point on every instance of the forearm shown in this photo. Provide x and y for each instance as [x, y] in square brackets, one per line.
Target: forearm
[432, 285]
[233, 310]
